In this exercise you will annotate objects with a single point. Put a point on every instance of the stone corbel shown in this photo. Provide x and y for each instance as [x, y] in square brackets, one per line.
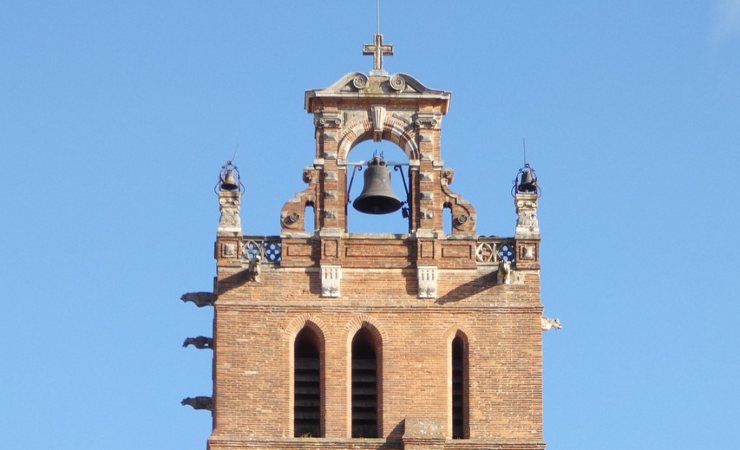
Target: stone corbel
[427, 280]
[331, 277]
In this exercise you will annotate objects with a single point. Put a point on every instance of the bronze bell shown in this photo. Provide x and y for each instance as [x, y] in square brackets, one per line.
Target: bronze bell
[377, 196]
[528, 182]
[228, 182]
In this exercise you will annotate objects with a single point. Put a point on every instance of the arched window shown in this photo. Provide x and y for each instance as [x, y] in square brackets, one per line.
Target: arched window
[307, 389]
[365, 390]
[459, 387]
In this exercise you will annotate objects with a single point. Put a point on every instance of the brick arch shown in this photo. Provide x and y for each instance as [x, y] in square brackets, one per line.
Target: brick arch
[394, 130]
[452, 331]
[291, 330]
[364, 321]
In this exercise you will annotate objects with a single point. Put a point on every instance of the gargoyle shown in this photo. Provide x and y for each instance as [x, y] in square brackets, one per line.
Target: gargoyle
[503, 276]
[199, 342]
[200, 299]
[548, 323]
[200, 402]
[255, 268]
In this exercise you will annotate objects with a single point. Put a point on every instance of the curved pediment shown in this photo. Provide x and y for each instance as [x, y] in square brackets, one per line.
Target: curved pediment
[357, 85]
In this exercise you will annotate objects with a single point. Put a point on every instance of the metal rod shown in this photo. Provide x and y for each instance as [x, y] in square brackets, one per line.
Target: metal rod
[357, 168]
[397, 167]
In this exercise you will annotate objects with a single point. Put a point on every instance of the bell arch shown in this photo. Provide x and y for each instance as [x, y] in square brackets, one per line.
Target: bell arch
[393, 130]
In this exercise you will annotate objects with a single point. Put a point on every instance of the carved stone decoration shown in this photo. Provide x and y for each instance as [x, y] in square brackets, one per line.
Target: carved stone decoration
[200, 299]
[397, 83]
[377, 114]
[199, 342]
[359, 81]
[328, 119]
[291, 218]
[504, 274]
[448, 176]
[461, 220]
[527, 253]
[228, 205]
[526, 216]
[255, 269]
[228, 249]
[427, 279]
[331, 277]
[200, 402]
[547, 323]
[428, 120]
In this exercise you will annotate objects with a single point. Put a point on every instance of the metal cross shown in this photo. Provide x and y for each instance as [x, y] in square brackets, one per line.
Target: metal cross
[378, 50]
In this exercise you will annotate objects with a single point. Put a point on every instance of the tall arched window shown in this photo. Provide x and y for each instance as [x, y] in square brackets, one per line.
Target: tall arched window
[459, 387]
[364, 385]
[307, 384]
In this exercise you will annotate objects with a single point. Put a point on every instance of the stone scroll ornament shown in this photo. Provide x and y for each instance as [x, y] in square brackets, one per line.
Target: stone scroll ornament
[463, 212]
[292, 218]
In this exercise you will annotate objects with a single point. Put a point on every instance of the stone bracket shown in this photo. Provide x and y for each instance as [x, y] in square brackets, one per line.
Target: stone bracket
[331, 277]
[427, 279]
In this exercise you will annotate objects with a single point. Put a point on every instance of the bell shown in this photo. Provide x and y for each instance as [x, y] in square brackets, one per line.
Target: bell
[528, 182]
[377, 196]
[228, 182]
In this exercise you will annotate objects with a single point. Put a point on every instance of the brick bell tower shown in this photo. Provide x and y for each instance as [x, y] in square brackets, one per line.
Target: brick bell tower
[332, 340]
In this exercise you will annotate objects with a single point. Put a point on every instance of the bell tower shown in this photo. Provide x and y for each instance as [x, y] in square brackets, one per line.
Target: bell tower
[421, 340]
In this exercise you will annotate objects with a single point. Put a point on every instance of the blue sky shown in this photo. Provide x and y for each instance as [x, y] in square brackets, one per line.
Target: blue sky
[115, 118]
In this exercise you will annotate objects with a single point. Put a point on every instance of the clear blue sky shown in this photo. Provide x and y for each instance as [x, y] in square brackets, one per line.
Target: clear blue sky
[115, 117]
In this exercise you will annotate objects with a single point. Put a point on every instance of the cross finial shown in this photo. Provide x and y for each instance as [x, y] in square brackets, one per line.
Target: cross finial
[378, 50]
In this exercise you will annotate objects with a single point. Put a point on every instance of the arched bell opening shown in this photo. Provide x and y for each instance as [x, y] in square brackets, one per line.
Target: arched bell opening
[309, 217]
[447, 219]
[371, 181]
